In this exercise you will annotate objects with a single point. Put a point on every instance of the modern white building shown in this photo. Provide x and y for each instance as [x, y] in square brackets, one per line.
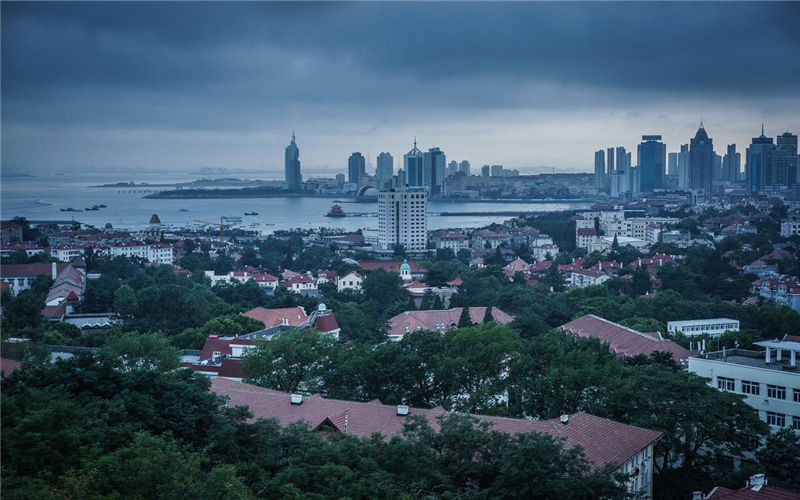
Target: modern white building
[403, 218]
[350, 281]
[790, 228]
[769, 380]
[157, 253]
[713, 327]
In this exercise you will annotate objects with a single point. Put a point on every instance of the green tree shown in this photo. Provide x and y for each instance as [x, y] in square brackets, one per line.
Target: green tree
[148, 351]
[125, 303]
[488, 317]
[780, 457]
[553, 278]
[384, 288]
[465, 320]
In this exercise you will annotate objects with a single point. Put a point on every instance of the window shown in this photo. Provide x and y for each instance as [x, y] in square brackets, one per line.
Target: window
[776, 419]
[749, 387]
[726, 384]
[796, 395]
[776, 392]
[796, 423]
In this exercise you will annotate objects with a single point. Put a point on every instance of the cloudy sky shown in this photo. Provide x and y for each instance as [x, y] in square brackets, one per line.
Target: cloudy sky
[187, 85]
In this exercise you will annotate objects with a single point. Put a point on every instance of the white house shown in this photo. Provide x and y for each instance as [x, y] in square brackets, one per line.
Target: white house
[769, 380]
[350, 281]
[713, 327]
[157, 253]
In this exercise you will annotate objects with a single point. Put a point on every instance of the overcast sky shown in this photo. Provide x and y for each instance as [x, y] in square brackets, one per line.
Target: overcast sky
[188, 85]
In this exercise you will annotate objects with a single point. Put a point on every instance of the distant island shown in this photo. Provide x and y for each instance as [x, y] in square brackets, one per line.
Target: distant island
[227, 181]
[247, 192]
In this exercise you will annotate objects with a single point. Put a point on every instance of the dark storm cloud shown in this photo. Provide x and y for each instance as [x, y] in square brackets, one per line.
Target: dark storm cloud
[239, 66]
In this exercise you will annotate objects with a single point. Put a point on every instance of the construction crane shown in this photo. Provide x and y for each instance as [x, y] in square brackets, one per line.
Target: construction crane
[221, 225]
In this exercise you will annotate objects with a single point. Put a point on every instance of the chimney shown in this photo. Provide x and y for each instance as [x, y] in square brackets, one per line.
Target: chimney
[697, 495]
[54, 270]
[564, 419]
[297, 399]
[402, 410]
[756, 482]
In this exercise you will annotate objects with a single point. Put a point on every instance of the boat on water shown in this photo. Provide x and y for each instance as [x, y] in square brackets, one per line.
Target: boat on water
[335, 211]
[183, 210]
[232, 218]
[70, 209]
[251, 213]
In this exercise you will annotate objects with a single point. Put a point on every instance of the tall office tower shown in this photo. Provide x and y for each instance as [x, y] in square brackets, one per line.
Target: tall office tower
[731, 164]
[412, 164]
[385, 169]
[464, 167]
[485, 170]
[652, 158]
[356, 168]
[400, 179]
[758, 165]
[433, 169]
[497, 171]
[621, 157]
[452, 168]
[683, 167]
[701, 162]
[672, 164]
[291, 167]
[600, 170]
[786, 158]
[610, 161]
[340, 180]
[403, 218]
[717, 167]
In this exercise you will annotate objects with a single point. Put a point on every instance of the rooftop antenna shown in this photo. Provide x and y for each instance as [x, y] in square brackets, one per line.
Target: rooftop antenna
[762, 128]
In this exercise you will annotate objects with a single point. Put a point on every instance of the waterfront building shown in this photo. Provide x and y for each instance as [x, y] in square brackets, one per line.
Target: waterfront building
[683, 167]
[403, 218]
[485, 170]
[768, 380]
[610, 162]
[786, 159]
[293, 177]
[356, 168]
[452, 168]
[433, 169]
[713, 327]
[758, 167]
[463, 167]
[599, 170]
[731, 164]
[412, 165]
[385, 169]
[672, 164]
[701, 161]
[339, 180]
[651, 156]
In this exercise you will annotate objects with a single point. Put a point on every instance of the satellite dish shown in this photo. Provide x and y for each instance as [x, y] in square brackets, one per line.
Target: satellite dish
[321, 308]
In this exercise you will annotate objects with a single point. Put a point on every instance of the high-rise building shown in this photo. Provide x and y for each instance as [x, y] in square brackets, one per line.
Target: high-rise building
[401, 180]
[403, 218]
[759, 166]
[701, 162]
[610, 165]
[731, 164]
[786, 159]
[485, 170]
[652, 159]
[291, 167]
[717, 167]
[600, 170]
[433, 169]
[356, 168]
[622, 159]
[683, 167]
[385, 169]
[497, 171]
[340, 180]
[412, 164]
[672, 164]
[452, 168]
[464, 167]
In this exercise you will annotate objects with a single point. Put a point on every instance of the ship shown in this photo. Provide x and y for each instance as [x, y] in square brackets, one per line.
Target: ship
[251, 213]
[336, 211]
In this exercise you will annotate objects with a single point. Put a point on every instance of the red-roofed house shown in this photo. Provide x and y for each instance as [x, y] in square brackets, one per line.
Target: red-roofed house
[603, 441]
[301, 284]
[393, 266]
[622, 340]
[439, 321]
[755, 489]
[288, 316]
[350, 281]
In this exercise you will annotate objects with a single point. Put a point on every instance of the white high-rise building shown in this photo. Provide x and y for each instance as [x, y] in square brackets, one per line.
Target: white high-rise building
[403, 218]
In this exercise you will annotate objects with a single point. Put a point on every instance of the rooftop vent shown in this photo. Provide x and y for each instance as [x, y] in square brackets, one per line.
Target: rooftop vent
[402, 409]
[697, 495]
[564, 419]
[297, 399]
[756, 482]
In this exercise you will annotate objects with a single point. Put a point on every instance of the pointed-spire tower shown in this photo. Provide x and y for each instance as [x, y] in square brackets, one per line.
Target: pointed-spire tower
[294, 179]
[412, 165]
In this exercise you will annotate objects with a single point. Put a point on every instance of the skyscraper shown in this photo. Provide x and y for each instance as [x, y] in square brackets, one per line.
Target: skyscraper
[356, 168]
[701, 162]
[485, 171]
[672, 164]
[385, 169]
[452, 168]
[683, 167]
[291, 167]
[403, 218]
[758, 166]
[652, 158]
[433, 169]
[600, 170]
[412, 164]
[464, 167]
[610, 161]
[731, 164]
[621, 157]
[786, 158]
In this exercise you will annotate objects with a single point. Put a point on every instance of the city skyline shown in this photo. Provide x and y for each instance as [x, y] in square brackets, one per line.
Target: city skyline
[113, 86]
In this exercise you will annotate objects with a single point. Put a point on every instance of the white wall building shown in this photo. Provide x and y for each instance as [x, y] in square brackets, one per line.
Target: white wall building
[790, 228]
[713, 327]
[770, 380]
[157, 253]
[350, 281]
[403, 218]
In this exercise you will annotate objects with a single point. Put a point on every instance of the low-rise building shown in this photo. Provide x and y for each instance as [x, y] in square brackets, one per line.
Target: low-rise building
[439, 321]
[790, 228]
[29, 247]
[350, 281]
[453, 241]
[784, 291]
[588, 277]
[769, 379]
[157, 253]
[713, 327]
[302, 284]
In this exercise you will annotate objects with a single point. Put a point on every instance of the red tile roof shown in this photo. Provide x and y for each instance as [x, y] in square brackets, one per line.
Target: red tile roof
[603, 441]
[30, 270]
[392, 266]
[765, 493]
[294, 316]
[326, 323]
[154, 219]
[411, 321]
[623, 340]
[8, 365]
